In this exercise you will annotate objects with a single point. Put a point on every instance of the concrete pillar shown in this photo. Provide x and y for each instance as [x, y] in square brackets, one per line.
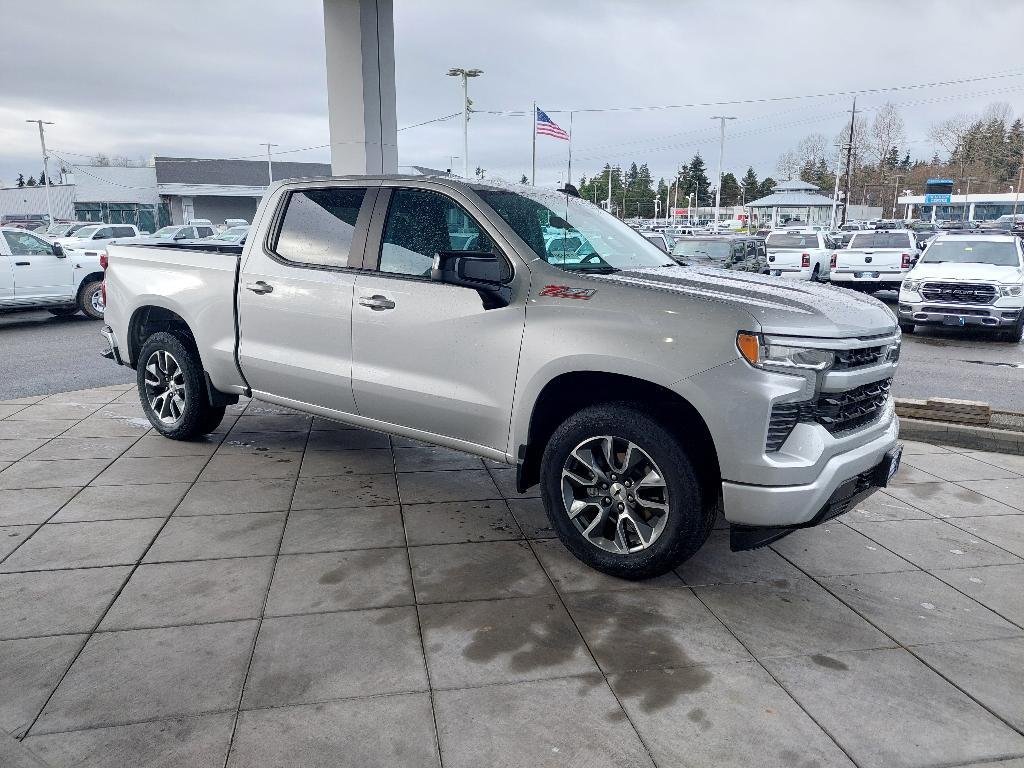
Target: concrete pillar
[360, 42]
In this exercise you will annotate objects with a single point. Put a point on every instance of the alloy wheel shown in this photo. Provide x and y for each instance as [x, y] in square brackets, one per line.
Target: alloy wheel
[96, 300]
[165, 387]
[615, 494]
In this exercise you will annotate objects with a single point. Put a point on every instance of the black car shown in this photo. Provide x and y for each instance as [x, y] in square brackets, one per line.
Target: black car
[739, 253]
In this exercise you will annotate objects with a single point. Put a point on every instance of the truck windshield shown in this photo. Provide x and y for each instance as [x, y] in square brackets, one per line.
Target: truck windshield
[703, 250]
[880, 240]
[964, 251]
[571, 233]
[794, 241]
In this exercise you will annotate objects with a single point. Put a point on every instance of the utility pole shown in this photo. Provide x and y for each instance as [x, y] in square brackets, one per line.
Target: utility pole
[835, 192]
[967, 195]
[896, 193]
[270, 162]
[465, 74]
[46, 167]
[849, 156]
[609, 189]
[721, 158]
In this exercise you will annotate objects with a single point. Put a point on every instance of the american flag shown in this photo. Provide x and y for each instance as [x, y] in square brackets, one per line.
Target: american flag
[548, 127]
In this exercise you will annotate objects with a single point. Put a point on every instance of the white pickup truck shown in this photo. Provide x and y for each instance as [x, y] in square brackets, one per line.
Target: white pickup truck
[800, 254]
[875, 260]
[37, 273]
[641, 395]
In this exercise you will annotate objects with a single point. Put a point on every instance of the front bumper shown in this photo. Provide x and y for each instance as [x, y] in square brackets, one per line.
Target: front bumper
[846, 496]
[786, 506]
[920, 312]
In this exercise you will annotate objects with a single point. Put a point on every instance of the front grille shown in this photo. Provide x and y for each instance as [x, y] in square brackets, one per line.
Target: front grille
[838, 412]
[858, 358]
[958, 311]
[959, 293]
[843, 411]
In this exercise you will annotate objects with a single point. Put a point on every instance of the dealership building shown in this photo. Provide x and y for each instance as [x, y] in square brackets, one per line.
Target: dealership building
[978, 206]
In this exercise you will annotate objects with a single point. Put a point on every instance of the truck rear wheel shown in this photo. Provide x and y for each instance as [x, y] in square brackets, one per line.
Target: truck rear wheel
[172, 388]
[90, 299]
[621, 492]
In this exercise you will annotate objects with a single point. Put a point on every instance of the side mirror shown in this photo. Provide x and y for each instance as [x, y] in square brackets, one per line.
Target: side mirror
[913, 261]
[58, 251]
[482, 271]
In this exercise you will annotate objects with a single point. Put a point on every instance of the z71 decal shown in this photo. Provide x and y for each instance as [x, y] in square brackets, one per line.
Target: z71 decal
[565, 292]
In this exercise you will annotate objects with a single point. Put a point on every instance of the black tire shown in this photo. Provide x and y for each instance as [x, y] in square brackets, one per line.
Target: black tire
[816, 274]
[1015, 334]
[86, 294]
[689, 519]
[63, 311]
[194, 416]
[907, 327]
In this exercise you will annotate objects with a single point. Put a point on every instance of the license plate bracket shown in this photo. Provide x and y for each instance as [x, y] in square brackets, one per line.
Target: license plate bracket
[888, 466]
[866, 274]
[953, 320]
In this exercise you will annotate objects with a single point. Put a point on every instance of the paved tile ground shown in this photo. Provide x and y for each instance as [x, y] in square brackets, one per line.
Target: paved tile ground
[289, 592]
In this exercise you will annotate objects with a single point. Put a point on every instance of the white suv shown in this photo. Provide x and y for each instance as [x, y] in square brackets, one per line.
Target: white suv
[800, 254]
[967, 279]
[96, 236]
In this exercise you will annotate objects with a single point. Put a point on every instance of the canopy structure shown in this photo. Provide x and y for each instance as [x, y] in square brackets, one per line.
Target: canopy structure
[793, 200]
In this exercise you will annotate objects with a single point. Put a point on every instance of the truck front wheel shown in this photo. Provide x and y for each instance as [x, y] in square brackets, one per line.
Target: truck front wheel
[90, 299]
[172, 389]
[622, 493]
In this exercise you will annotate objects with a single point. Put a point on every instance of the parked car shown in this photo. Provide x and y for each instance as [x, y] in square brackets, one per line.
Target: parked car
[641, 396]
[664, 241]
[969, 279]
[802, 254]
[38, 273]
[172, 233]
[875, 260]
[235, 236]
[67, 228]
[741, 254]
[1007, 223]
[94, 237]
[230, 223]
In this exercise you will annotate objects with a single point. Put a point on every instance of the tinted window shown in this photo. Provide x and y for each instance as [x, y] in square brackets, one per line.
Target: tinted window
[24, 244]
[318, 225]
[702, 250]
[881, 240]
[419, 225]
[792, 240]
[205, 231]
[124, 232]
[657, 241]
[103, 233]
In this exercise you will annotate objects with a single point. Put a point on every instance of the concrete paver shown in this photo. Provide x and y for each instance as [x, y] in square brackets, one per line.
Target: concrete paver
[293, 592]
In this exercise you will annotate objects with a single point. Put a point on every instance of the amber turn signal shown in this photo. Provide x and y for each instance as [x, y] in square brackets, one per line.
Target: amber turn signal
[749, 346]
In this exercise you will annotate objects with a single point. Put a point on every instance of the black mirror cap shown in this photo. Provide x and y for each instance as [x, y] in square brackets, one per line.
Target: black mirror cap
[485, 272]
[58, 251]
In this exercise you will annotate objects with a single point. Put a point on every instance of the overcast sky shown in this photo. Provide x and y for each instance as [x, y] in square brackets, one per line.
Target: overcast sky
[213, 79]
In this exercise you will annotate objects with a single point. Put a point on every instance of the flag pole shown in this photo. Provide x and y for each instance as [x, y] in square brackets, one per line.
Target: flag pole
[569, 180]
[533, 132]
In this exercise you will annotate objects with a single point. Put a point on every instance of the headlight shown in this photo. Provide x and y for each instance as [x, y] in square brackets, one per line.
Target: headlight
[1011, 290]
[911, 285]
[771, 356]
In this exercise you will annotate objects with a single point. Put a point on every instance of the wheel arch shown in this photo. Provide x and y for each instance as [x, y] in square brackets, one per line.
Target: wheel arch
[149, 319]
[570, 392]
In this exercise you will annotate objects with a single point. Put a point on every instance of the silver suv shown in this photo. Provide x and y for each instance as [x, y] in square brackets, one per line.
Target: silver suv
[641, 395]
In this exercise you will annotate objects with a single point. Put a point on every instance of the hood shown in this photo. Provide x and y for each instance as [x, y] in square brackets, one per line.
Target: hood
[965, 273]
[788, 307]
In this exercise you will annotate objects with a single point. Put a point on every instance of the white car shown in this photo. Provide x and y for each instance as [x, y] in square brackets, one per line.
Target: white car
[800, 254]
[967, 279]
[94, 238]
[37, 273]
[174, 232]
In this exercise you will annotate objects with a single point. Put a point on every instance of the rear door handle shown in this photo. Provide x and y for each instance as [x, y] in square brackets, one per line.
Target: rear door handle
[23, 263]
[377, 302]
[259, 287]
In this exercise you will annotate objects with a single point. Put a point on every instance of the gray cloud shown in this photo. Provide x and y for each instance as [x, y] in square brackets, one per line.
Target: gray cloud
[216, 78]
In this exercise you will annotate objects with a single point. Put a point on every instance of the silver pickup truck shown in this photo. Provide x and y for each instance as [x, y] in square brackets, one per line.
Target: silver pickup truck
[641, 395]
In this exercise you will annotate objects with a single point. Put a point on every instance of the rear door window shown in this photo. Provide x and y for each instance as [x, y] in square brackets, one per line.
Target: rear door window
[124, 232]
[881, 240]
[204, 231]
[318, 225]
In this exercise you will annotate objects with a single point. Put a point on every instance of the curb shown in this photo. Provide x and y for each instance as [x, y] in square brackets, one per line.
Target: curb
[963, 435]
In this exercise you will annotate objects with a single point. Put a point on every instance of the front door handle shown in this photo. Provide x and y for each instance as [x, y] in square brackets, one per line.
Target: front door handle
[259, 287]
[23, 263]
[377, 302]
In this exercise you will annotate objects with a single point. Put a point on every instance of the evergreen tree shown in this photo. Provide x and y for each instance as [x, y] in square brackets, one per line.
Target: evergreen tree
[751, 189]
[766, 187]
[892, 159]
[31, 181]
[730, 190]
[523, 179]
[697, 181]
[21, 180]
[42, 179]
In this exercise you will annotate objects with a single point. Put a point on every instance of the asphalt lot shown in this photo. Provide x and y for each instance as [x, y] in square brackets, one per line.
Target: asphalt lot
[42, 354]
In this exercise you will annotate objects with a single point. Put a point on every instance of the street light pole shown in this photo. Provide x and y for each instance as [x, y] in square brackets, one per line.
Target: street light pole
[270, 162]
[967, 195]
[465, 74]
[46, 167]
[721, 158]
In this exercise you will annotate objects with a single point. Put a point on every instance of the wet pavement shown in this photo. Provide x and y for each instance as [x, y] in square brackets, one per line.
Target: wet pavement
[290, 592]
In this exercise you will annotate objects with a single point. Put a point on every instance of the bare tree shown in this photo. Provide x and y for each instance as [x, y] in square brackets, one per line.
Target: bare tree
[956, 136]
[101, 160]
[120, 161]
[997, 111]
[788, 165]
[887, 132]
[811, 149]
